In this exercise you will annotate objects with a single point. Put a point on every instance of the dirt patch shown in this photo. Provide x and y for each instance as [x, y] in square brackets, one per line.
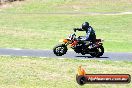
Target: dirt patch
[5, 5]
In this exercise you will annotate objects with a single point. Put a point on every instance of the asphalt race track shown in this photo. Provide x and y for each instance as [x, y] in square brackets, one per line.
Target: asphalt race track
[70, 54]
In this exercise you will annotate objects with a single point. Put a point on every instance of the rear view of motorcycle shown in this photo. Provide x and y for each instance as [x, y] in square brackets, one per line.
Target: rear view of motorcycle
[79, 46]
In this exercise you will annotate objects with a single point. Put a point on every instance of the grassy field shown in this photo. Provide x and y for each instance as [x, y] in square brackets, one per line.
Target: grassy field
[31, 72]
[24, 25]
[40, 6]
[41, 31]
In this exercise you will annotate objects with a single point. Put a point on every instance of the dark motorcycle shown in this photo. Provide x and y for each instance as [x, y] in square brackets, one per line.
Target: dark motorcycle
[79, 46]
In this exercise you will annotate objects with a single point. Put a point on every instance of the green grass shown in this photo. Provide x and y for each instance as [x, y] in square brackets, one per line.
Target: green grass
[41, 31]
[31, 72]
[72, 6]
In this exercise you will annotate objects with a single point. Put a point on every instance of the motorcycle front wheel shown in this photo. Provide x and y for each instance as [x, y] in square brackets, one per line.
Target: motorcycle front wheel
[60, 49]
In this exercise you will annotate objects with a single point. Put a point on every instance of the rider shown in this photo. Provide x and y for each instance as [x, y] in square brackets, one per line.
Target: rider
[90, 33]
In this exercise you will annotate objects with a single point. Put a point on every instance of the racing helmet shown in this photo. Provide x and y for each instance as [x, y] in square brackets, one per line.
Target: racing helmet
[85, 25]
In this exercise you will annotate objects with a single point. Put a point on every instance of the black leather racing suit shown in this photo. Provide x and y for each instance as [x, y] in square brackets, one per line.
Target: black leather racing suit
[90, 34]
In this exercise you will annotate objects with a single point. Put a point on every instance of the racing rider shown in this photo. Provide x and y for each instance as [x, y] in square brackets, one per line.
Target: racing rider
[90, 33]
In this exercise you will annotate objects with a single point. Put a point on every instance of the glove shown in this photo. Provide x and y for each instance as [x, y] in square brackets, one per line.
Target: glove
[74, 29]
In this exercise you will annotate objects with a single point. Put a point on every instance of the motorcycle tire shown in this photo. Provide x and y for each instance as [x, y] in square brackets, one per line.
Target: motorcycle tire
[98, 52]
[101, 51]
[60, 50]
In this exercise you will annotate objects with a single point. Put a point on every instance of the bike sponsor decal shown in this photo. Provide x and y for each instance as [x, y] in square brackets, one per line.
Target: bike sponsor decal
[83, 78]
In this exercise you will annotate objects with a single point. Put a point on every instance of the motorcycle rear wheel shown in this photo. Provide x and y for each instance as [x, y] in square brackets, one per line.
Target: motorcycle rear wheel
[98, 52]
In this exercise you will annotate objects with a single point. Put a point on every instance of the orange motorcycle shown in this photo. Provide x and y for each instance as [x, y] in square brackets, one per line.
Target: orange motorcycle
[79, 46]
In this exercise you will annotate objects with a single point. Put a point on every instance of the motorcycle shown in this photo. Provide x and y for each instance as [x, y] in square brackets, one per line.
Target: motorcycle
[79, 46]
